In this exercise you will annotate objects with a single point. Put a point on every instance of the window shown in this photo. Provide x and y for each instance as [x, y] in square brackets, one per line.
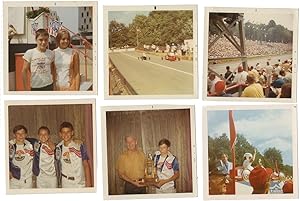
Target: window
[87, 14]
[82, 27]
[90, 19]
[87, 26]
[84, 20]
[84, 8]
[81, 14]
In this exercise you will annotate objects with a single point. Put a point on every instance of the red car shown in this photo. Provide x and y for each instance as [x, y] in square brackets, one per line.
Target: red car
[171, 56]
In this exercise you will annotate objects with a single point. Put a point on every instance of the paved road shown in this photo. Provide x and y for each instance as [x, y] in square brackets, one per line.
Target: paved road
[155, 76]
[221, 68]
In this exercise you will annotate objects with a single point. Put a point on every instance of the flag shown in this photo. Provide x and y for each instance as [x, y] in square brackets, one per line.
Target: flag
[232, 130]
[54, 27]
[231, 186]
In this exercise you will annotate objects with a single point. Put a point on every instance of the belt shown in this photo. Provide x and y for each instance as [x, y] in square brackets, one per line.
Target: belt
[69, 178]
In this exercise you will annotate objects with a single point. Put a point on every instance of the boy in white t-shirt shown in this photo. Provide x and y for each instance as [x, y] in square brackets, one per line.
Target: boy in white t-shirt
[39, 62]
[72, 160]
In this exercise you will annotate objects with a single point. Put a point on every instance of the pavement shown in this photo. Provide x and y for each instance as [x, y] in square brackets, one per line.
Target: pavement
[155, 76]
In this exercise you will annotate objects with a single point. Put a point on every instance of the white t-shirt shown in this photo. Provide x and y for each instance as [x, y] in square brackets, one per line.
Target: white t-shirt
[240, 78]
[40, 67]
[47, 161]
[62, 64]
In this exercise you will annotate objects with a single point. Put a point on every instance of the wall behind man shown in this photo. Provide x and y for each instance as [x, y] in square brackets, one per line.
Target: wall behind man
[150, 126]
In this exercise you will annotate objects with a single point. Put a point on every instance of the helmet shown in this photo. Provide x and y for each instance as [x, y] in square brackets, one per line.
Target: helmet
[248, 156]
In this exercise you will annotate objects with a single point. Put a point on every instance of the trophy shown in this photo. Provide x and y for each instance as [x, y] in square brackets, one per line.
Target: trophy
[150, 171]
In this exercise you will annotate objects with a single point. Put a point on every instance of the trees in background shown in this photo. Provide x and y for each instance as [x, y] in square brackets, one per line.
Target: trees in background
[269, 157]
[158, 28]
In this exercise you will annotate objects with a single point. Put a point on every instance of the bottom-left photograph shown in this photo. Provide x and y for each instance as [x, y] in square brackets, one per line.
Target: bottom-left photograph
[50, 146]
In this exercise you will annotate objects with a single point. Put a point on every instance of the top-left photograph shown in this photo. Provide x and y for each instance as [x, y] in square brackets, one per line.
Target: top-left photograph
[50, 47]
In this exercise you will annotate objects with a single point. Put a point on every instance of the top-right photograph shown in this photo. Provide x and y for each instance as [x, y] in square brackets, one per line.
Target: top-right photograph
[250, 54]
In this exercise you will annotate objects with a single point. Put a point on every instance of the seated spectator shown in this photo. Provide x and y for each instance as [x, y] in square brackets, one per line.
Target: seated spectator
[277, 81]
[212, 79]
[253, 90]
[220, 88]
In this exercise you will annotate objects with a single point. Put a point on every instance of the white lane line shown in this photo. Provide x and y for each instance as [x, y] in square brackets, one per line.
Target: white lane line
[167, 67]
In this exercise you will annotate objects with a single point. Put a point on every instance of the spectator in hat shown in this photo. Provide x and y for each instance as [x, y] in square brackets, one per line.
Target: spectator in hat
[288, 187]
[218, 184]
[220, 87]
[212, 80]
[259, 179]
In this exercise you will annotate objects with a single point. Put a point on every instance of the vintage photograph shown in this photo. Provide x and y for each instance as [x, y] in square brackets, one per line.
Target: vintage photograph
[50, 146]
[250, 53]
[50, 46]
[250, 152]
[149, 151]
[150, 51]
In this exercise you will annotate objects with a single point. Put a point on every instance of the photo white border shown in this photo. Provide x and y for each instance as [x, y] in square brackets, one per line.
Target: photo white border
[293, 109]
[106, 9]
[293, 11]
[105, 109]
[51, 102]
[75, 3]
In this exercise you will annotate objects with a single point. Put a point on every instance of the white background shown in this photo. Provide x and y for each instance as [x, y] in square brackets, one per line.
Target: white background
[100, 97]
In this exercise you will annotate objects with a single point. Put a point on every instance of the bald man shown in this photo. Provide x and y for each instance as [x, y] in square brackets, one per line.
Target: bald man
[131, 167]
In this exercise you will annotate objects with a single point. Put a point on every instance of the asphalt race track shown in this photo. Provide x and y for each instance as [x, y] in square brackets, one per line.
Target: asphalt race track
[155, 76]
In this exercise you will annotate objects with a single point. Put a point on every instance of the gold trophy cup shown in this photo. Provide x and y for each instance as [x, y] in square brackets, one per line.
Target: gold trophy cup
[150, 171]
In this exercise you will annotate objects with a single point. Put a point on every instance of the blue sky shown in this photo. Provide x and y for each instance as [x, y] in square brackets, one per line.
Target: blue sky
[262, 128]
[69, 17]
[125, 17]
[283, 19]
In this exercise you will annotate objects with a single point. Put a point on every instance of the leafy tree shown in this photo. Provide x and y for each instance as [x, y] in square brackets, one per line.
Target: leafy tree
[159, 28]
[271, 24]
[219, 145]
[274, 156]
[270, 32]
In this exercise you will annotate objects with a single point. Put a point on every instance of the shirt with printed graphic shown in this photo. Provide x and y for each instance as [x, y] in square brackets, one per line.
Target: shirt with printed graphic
[71, 161]
[166, 167]
[23, 158]
[40, 67]
[46, 164]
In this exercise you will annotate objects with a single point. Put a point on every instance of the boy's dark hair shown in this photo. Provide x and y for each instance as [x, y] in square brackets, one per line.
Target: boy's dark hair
[66, 125]
[44, 128]
[164, 141]
[41, 32]
[19, 127]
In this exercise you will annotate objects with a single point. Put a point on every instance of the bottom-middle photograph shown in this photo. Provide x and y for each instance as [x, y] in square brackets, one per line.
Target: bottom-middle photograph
[149, 150]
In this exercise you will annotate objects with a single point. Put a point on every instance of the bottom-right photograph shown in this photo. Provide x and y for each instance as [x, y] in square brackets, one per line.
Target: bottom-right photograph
[250, 152]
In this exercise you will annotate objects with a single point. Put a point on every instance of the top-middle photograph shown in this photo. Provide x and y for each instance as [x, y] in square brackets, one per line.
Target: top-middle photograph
[150, 51]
